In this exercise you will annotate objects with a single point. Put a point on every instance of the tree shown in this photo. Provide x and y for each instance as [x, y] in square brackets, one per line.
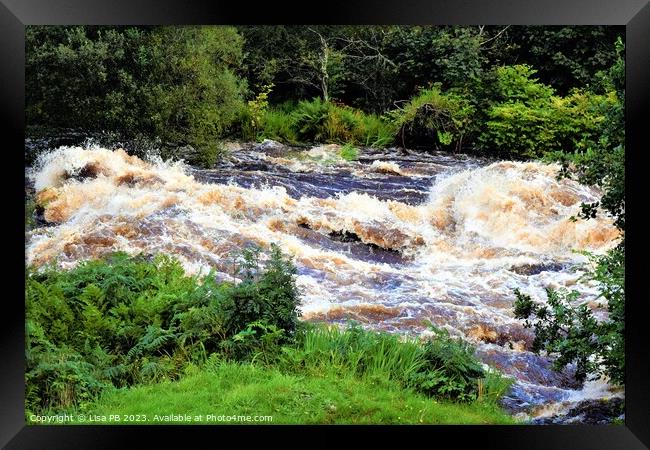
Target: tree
[566, 56]
[175, 83]
[194, 93]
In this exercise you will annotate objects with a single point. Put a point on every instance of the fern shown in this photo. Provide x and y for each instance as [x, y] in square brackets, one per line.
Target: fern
[125, 320]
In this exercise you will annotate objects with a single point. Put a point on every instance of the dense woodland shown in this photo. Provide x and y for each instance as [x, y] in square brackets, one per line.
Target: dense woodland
[548, 93]
[515, 91]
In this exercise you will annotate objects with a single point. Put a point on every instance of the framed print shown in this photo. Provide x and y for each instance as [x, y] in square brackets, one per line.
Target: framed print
[382, 218]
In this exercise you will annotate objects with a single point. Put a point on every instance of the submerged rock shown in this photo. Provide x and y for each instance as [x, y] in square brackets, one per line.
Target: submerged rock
[593, 412]
[90, 170]
[534, 269]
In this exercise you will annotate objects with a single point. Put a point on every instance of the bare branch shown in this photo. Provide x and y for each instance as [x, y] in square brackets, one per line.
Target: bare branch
[495, 36]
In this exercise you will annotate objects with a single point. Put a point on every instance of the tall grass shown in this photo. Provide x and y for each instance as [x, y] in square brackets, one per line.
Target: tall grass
[442, 367]
[349, 152]
[356, 351]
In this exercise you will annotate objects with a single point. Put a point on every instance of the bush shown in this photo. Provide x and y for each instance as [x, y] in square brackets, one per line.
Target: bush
[266, 293]
[175, 83]
[126, 320]
[527, 120]
[310, 119]
[434, 118]
[602, 163]
[569, 330]
[449, 369]
[278, 126]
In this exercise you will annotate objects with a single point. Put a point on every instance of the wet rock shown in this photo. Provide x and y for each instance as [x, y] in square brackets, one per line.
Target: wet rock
[39, 217]
[377, 233]
[188, 153]
[534, 269]
[592, 412]
[270, 148]
[344, 236]
[528, 367]
[90, 170]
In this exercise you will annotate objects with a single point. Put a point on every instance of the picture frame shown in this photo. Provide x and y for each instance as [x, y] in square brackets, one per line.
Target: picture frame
[634, 14]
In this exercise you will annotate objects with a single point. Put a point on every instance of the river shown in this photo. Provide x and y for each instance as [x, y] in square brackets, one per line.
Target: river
[394, 240]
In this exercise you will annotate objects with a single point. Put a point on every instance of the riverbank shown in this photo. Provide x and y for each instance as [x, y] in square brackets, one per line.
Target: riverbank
[136, 336]
[391, 239]
[239, 394]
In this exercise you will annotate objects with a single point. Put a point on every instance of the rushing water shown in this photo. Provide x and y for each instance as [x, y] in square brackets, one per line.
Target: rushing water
[393, 240]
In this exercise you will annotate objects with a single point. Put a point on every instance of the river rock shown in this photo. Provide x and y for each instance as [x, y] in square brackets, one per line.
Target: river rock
[270, 147]
[534, 269]
[593, 412]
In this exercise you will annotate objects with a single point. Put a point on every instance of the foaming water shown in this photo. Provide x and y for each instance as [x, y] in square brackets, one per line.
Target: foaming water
[393, 241]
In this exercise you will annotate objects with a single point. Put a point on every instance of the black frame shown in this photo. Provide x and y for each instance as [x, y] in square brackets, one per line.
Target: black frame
[634, 14]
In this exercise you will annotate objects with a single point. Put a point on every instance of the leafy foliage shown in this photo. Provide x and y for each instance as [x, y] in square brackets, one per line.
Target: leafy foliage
[569, 330]
[526, 119]
[127, 320]
[326, 122]
[434, 117]
[602, 161]
[566, 56]
[469, 87]
[175, 83]
[450, 369]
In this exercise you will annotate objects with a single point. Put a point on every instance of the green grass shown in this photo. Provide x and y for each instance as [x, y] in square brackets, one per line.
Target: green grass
[349, 153]
[236, 389]
[354, 351]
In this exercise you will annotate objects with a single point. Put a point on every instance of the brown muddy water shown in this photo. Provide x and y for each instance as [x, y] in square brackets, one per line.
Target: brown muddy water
[393, 241]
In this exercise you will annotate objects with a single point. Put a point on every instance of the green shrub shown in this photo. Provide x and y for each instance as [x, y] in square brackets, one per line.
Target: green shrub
[569, 330]
[434, 118]
[266, 293]
[527, 120]
[310, 118]
[278, 126]
[517, 83]
[327, 122]
[174, 83]
[602, 163]
[449, 369]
